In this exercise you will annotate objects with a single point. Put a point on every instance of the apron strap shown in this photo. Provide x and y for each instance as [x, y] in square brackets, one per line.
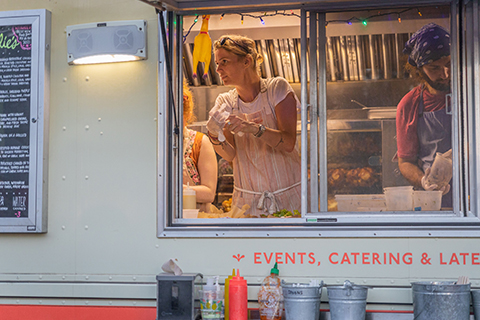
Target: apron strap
[268, 195]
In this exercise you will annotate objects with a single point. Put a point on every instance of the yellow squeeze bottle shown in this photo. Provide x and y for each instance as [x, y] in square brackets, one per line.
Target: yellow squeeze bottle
[227, 282]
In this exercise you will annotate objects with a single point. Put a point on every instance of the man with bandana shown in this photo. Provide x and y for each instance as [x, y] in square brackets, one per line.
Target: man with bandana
[423, 125]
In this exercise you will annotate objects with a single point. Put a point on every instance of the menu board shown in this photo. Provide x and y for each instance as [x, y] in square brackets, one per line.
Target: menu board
[15, 73]
[23, 61]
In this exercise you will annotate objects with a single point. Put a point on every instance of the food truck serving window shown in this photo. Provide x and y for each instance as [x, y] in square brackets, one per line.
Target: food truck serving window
[306, 123]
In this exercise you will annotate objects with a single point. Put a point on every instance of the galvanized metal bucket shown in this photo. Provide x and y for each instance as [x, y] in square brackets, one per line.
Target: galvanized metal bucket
[302, 301]
[347, 302]
[476, 303]
[441, 300]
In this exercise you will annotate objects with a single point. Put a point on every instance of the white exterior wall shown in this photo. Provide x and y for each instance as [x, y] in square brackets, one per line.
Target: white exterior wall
[101, 242]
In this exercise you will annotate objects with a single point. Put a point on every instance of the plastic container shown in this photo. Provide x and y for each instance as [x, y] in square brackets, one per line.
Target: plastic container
[270, 297]
[357, 202]
[441, 300]
[237, 298]
[399, 198]
[227, 283]
[190, 213]
[211, 303]
[427, 200]
[347, 302]
[302, 301]
[189, 198]
[441, 170]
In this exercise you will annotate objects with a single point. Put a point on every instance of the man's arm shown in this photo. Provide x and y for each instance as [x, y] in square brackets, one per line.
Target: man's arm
[411, 171]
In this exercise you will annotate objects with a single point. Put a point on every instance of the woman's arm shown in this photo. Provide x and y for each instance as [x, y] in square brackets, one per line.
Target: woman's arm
[225, 149]
[207, 168]
[284, 138]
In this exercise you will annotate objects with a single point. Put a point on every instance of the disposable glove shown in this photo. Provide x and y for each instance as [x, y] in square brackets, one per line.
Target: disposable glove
[441, 170]
[426, 185]
[216, 121]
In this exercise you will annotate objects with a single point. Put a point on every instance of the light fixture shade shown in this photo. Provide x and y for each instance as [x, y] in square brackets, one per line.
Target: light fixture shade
[114, 41]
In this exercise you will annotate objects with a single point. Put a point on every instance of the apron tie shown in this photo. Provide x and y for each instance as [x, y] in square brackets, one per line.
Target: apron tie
[268, 195]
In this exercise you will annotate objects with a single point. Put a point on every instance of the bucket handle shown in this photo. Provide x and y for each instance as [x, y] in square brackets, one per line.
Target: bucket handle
[348, 285]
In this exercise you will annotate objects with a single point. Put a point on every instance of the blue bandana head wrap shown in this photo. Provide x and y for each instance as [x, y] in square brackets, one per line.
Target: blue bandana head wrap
[428, 44]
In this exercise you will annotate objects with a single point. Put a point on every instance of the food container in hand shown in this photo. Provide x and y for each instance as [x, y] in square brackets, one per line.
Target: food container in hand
[399, 198]
[441, 171]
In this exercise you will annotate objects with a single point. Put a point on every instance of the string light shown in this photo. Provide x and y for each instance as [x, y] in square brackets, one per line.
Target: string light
[363, 21]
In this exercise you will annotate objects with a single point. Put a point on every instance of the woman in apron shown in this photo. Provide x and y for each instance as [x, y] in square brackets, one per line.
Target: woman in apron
[254, 127]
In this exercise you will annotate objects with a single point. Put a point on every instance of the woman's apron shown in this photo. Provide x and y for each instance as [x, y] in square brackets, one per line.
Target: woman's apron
[434, 131]
[265, 179]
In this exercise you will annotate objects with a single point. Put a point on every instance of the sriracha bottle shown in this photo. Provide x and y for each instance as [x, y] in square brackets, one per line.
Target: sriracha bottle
[270, 297]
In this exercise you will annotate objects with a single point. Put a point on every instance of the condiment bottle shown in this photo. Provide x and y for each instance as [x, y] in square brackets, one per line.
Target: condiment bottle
[209, 297]
[227, 282]
[237, 298]
[189, 198]
[270, 297]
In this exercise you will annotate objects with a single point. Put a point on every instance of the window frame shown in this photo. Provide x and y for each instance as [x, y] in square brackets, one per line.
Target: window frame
[459, 222]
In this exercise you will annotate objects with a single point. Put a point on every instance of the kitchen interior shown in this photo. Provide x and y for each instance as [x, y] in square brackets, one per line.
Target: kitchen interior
[365, 81]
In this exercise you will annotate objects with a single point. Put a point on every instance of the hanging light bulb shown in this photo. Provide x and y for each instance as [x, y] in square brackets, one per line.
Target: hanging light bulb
[221, 17]
[349, 22]
[242, 19]
[419, 13]
[364, 22]
[261, 20]
[196, 18]
[399, 19]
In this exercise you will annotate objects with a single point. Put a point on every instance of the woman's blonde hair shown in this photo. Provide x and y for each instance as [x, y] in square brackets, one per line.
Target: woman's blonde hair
[187, 104]
[241, 46]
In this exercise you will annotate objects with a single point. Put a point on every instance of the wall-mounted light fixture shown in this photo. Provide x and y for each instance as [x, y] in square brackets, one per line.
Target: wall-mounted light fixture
[114, 41]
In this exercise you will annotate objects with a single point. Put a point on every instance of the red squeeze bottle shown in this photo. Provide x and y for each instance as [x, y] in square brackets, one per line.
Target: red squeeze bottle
[238, 298]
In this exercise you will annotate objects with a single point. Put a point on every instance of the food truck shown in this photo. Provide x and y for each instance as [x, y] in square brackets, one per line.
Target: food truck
[91, 186]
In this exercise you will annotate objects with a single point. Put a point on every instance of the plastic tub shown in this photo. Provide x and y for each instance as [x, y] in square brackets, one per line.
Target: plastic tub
[399, 198]
[427, 200]
[360, 202]
[190, 213]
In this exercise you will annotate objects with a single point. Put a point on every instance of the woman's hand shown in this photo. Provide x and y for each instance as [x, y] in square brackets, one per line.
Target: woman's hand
[236, 125]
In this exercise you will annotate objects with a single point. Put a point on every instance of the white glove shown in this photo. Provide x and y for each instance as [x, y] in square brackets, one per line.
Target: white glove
[425, 184]
[433, 186]
[216, 121]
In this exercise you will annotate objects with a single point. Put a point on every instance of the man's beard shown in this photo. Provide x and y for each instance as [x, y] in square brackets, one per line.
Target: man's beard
[444, 87]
